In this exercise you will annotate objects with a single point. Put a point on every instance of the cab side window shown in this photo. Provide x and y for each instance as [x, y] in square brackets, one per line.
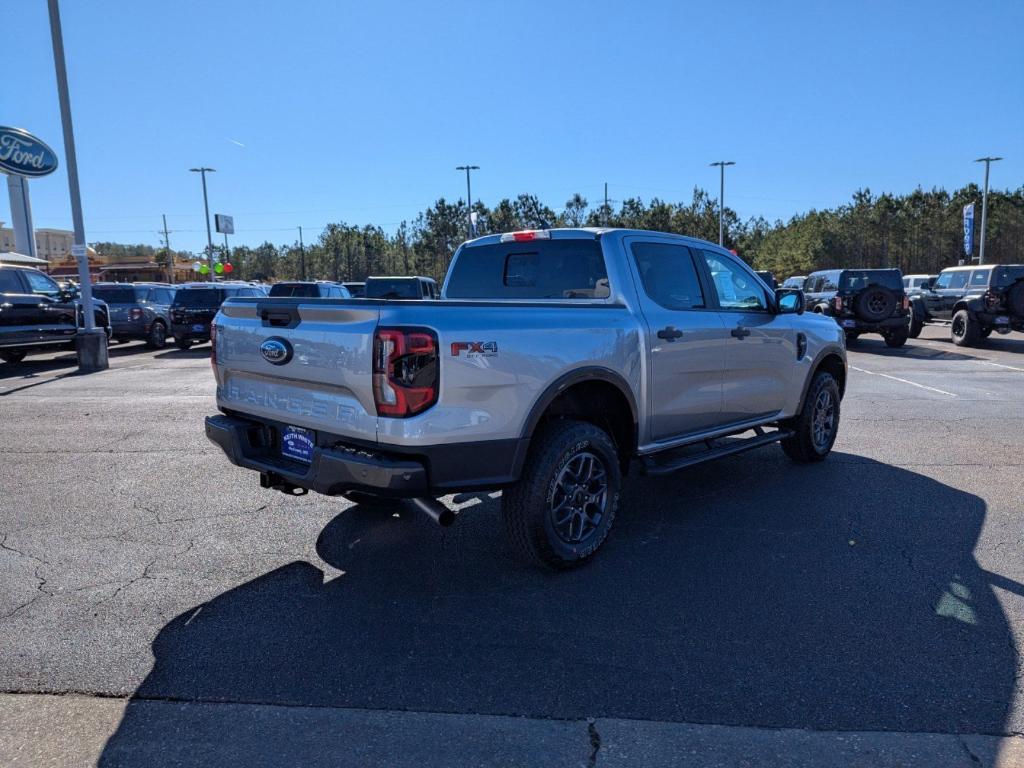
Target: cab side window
[40, 283]
[737, 290]
[668, 275]
[979, 279]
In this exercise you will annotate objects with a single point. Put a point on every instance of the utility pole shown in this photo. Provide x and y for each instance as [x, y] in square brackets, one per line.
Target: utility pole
[167, 247]
[91, 343]
[721, 199]
[302, 256]
[206, 207]
[984, 205]
[470, 229]
[604, 214]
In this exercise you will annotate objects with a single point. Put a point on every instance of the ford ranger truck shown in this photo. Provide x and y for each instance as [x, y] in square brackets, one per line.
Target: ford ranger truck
[555, 362]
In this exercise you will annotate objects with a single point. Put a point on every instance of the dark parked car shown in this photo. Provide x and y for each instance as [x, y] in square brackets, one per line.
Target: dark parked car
[796, 281]
[322, 289]
[36, 315]
[972, 301]
[358, 290]
[861, 301]
[401, 288]
[195, 306]
[139, 311]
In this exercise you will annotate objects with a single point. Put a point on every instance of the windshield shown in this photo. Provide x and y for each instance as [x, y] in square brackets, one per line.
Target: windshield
[393, 289]
[295, 289]
[199, 297]
[1007, 275]
[119, 294]
[855, 279]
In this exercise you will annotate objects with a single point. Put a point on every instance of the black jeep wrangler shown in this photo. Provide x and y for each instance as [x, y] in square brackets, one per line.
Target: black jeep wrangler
[972, 301]
[861, 301]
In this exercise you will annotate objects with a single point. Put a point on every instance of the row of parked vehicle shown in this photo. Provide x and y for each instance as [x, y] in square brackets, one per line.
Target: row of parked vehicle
[38, 314]
[972, 301]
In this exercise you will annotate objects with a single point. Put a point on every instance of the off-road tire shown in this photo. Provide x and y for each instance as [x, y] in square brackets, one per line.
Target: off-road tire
[874, 303]
[526, 508]
[1015, 298]
[965, 330]
[12, 355]
[896, 339]
[915, 325]
[371, 500]
[157, 337]
[802, 446]
[183, 344]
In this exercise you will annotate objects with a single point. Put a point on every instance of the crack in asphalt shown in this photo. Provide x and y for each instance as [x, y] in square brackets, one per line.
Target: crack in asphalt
[144, 576]
[970, 754]
[42, 581]
[595, 743]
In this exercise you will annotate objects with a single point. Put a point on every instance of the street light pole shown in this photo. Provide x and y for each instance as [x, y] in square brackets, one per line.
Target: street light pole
[91, 346]
[470, 229]
[984, 205]
[721, 198]
[206, 206]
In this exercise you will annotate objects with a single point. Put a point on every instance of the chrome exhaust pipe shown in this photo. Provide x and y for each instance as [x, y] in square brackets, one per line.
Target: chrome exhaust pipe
[435, 510]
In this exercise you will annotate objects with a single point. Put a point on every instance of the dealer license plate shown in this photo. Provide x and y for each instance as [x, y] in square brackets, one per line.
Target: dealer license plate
[297, 444]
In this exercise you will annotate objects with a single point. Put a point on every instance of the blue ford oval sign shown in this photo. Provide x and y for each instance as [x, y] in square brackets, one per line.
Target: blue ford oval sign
[23, 154]
[276, 350]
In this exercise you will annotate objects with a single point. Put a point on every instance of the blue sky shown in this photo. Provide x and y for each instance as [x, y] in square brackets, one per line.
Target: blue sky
[360, 111]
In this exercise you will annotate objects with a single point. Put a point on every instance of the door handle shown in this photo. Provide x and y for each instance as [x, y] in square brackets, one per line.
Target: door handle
[669, 333]
[740, 332]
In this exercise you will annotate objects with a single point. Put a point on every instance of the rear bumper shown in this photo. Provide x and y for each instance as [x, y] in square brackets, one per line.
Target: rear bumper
[882, 326]
[185, 332]
[337, 467]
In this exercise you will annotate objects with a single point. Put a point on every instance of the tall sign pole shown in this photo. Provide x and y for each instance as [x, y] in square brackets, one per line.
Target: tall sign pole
[984, 206]
[470, 226]
[92, 344]
[721, 198]
[206, 208]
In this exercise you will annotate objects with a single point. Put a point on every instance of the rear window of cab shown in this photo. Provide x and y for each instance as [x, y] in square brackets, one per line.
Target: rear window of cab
[537, 269]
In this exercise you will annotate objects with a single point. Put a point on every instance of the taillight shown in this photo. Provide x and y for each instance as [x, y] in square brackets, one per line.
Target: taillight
[906, 301]
[213, 344]
[838, 303]
[135, 313]
[406, 371]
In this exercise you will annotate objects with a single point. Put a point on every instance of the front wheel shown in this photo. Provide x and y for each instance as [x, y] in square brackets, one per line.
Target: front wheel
[816, 426]
[562, 509]
[157, 338]
[966, 331]
[915, 326]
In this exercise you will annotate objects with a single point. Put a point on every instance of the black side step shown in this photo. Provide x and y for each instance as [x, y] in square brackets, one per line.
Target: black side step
[697, 453]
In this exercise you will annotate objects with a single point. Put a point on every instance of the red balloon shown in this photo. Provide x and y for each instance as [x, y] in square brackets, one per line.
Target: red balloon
[228, 268]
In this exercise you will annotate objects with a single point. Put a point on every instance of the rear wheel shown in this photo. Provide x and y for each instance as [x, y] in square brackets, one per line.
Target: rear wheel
[896, 338]
[816, 426]
[183, 344]
[916, 324]
[966, 331]
[157, 338]
[562, 509]
[12, 355]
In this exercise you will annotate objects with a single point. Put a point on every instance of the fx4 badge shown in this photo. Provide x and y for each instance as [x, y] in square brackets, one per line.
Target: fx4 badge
[475, 348]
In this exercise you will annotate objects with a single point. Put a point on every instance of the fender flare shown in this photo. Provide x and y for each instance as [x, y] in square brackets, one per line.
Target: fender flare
[576, 376]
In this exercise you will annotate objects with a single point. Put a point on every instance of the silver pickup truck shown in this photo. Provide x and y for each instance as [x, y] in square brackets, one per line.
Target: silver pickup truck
[555, 362]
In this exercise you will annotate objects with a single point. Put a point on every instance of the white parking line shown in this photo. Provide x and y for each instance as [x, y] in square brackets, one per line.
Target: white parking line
[904, 381]
[1000, 365]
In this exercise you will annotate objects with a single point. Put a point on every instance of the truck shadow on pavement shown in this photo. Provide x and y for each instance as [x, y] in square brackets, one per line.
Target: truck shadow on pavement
[843, 595]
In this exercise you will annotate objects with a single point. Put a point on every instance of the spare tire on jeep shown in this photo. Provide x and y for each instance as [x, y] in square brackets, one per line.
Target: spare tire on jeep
[1015, 298]
[874, 303]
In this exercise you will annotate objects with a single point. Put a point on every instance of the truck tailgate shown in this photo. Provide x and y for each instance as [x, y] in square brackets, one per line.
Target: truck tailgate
[327, 382]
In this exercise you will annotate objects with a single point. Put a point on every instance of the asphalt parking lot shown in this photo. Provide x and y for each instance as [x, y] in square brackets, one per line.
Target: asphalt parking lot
[881, 591]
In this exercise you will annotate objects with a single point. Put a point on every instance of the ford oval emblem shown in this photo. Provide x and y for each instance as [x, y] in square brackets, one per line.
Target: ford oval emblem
[23, 154]
[276, 350]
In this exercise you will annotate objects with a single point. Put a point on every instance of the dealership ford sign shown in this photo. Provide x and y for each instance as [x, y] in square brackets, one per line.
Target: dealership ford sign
[22, 154]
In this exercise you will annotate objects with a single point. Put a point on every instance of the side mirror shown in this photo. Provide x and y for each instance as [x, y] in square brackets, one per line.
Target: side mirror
[789, 301]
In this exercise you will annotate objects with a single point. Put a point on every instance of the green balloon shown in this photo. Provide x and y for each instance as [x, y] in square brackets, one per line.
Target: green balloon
[204, 270]
[219, 268]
